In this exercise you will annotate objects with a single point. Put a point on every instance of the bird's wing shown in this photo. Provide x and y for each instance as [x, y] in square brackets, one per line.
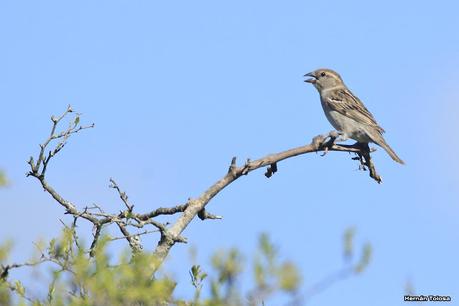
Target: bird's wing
[345, 103]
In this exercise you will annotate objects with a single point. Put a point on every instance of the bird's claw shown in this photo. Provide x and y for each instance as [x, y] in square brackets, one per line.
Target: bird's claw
[330, 140]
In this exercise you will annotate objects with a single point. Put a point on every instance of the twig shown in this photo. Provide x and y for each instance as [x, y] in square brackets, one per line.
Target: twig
[327, 282]
[134, 235]
[203, 215]
[123, 195]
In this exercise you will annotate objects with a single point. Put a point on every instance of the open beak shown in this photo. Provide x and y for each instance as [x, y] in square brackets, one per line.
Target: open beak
[312, 79]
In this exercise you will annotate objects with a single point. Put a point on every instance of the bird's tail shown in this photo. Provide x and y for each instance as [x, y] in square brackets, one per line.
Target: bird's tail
[379, 140]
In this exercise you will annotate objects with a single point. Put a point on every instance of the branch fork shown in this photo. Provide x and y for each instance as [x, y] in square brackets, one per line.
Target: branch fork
[127, 219]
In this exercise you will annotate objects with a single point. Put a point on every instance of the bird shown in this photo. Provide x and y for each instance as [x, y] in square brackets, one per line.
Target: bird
[346, 113]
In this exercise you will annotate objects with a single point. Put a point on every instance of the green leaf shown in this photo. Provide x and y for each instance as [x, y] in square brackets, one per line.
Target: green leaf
[348, 242]
[52, 247]
[289, 277]
[19, 288]
[3, 180]
[260, 274]
[267, 248]
[365, 259]
[195, 271]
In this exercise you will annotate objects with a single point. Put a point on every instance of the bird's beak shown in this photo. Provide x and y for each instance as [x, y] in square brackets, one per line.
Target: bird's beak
[312, 79]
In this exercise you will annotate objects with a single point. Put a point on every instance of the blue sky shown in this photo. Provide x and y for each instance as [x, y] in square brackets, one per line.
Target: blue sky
[178, 88]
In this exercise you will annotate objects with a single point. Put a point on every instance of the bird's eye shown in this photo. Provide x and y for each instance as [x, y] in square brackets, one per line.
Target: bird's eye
[322, 74]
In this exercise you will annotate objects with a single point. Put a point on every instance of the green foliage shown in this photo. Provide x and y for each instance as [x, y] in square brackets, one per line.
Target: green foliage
[227, 267]
[348, 239]
[5, 249]
[5, 290]
[76, 121]
[3, 180]
[77, 279]
[365, 259]
[129, 282]
[5, 294]
[348, 250]
[228, 264]
[272, 276]
[289, 277]
[197, 278]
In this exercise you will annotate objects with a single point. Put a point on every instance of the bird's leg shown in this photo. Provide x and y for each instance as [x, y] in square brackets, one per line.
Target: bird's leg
[333, 137]
[360, 155]
[366, 163]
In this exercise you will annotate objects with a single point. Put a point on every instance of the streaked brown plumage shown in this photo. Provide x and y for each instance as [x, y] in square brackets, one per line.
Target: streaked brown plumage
[346, 112]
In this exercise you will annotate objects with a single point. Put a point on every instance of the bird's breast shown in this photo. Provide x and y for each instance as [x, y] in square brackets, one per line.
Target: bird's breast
[347, 125]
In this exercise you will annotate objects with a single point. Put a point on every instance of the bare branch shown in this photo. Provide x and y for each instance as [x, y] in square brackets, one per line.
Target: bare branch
[162, 211]
[6, 268]
[38, 168]
[42, 161]
[192, 208]
[327, 282]
[97, 229]
[123, 195]
[134, 235]
[203, 215]
[134, 241]
[196, 206]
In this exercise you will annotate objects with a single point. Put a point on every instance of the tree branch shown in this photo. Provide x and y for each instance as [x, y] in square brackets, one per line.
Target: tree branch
[196, 206]
[193, 207]
[123, 195]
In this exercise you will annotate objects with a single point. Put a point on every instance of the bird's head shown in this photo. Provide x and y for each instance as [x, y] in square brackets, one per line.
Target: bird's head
[324, 78]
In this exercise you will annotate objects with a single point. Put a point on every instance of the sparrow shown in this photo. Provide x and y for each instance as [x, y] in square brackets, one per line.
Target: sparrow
[346, 112]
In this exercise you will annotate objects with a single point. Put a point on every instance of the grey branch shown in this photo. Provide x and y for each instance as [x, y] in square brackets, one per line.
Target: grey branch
[99, 219]
[123, 195]
[197, 206]
[170, 235]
